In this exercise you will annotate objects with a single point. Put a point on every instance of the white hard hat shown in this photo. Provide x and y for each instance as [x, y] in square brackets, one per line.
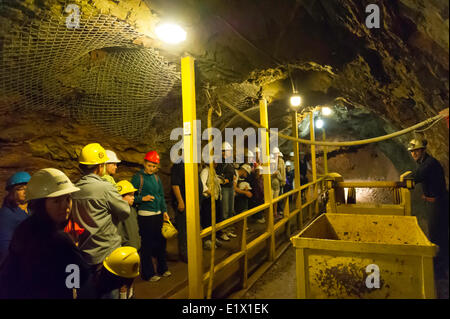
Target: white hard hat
[112, 157]
[257, 150]
[288, 163]
[226, 146]
[247, 168]
[291, 154]
[244, 185]
[416, 144]
[276, 150]
[49, 182]
[250, 154]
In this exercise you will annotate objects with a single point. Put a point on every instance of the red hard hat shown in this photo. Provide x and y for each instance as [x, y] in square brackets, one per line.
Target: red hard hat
[152, 156]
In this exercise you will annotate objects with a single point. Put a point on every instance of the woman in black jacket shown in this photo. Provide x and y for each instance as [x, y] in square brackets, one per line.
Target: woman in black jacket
[43, 261]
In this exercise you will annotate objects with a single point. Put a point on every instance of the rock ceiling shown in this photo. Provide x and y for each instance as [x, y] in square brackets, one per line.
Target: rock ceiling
[379, 80]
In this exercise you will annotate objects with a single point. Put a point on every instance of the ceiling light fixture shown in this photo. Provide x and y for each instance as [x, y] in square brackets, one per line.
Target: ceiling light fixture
[170, 33]
[326, 111]
[319, 123]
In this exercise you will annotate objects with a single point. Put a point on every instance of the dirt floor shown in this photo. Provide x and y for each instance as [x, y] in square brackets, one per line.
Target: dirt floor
[279, 282]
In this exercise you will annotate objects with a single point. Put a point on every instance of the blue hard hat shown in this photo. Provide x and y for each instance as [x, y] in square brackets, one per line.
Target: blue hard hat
[18, 178]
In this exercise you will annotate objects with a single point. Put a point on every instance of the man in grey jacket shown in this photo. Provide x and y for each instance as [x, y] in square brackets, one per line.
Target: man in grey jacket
[97, 207]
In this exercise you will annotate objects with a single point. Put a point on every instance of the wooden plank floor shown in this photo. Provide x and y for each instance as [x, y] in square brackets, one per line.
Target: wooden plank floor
[175, 286]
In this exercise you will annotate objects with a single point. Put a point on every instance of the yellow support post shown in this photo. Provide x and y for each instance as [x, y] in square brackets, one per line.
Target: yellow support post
[313, 147]
[325, 155]
[265, 152]
[296, 150]
[313, 164]
[195, 257]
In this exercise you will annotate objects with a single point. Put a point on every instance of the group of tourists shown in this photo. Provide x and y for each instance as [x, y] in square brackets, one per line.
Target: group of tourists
[107, 233]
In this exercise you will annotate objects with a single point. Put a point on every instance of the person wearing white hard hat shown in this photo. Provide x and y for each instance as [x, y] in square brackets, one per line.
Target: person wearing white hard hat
[282, 169]
[242, 188]
[430, 174]
[275, 183]
[227, 172]
[40, 251]
[111, 167]
[250, 158]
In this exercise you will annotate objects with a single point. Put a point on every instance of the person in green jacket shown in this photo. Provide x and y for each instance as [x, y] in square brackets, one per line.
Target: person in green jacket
[152, 211]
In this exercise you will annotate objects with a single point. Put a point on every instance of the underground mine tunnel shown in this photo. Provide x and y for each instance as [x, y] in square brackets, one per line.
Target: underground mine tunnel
[74, 73]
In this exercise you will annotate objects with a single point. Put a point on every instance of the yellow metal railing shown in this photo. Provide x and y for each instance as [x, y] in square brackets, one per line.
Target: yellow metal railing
[337, 202]
[305, 198]
[294, 217]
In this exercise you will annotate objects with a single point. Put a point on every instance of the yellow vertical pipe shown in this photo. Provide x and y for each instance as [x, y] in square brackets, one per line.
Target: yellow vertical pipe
[265, 152]
[325, 155]
[313, 147]
[213, 207]
[195, 257]
[296, 150]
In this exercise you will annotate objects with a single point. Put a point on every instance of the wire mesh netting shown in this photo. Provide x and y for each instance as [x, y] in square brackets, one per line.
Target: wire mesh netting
[91, 73]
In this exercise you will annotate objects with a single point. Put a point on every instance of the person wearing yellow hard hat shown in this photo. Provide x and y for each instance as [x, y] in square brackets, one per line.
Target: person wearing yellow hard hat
[128, 228]
[119, 270]
[430, 174]
[98, 207]
[43, 260]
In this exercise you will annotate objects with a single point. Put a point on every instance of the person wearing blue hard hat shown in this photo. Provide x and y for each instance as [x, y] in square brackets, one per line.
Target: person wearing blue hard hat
[14, 209]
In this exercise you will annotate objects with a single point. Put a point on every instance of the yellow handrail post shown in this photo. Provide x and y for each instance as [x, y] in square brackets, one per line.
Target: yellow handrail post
[313, 147]
[195, 257]
[325, 155]
[265, 152]
[296, 150]
[313, 165]
[298, 197]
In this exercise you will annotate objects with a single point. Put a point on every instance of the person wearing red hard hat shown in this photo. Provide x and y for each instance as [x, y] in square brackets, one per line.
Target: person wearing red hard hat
[152, 211]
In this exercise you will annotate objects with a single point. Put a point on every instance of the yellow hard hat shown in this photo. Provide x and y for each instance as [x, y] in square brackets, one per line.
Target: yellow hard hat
[168, 230]
[415, 144]
[123, 262]
[125, 187]
[93, 154]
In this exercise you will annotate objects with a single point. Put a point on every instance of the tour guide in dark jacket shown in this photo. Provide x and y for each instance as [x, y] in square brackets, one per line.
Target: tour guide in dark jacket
[151, 208]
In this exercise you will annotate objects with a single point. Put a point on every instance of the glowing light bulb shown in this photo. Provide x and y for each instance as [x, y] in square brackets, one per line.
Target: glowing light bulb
[170, 33]
[319, 123]
[326, 111]
[296, 100]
